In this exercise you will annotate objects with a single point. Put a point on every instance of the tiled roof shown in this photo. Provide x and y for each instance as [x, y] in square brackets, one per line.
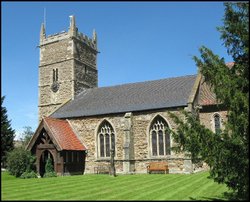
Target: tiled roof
[207, 95]
[163, 93]
[63, 134]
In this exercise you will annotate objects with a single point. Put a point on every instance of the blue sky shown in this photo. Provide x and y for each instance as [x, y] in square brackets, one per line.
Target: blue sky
[138, 41]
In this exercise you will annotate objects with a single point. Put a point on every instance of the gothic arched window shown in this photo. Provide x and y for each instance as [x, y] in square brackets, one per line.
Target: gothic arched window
[106, 139]
[217, 123]
[159, 137]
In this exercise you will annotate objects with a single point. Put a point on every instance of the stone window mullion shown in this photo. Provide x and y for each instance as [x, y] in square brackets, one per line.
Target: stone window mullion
[157, 142]
[164, 141]
[107, 145]
[104, 145]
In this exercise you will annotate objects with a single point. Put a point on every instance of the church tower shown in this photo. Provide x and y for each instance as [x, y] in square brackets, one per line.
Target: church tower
[67, 67]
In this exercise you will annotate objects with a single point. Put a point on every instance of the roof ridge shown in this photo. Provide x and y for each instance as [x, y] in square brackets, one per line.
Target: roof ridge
[55, 119]
[140, 82]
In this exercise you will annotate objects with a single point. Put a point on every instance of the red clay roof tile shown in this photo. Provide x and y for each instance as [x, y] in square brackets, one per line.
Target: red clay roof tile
[64, 134]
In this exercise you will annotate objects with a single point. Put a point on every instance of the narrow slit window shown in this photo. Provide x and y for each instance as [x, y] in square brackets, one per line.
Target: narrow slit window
[217, 124]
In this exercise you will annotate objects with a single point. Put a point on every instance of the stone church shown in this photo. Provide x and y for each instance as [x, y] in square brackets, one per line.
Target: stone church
[80, 123]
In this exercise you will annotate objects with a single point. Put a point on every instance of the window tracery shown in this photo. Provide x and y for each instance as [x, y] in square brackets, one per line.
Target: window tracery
[159, 137]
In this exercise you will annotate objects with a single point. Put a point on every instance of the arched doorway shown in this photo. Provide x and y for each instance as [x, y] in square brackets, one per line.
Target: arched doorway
[43, 159]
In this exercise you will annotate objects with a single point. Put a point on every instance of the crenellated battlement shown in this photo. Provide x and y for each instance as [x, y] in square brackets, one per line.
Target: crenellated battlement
[62, 32]
[85, 39]
[65, 35]
[72, 32]
[53, 38]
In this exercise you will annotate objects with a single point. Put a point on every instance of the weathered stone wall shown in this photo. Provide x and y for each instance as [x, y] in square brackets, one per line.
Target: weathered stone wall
[85, 54]
[47, 110]
[56, 52]
[65, 71]
[206, 117]
[47, 97]
[73, 55]
[85, 77]
[87, 128]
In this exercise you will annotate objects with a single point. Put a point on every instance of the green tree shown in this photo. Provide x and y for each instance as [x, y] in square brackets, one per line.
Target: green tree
[227, 154]
[19, 161]
[7, 134]
[26, 135]
[49, 166]
[49, 169]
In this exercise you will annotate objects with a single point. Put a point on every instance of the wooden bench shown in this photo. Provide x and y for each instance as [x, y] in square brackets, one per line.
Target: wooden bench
[102, 170]
[158, 166]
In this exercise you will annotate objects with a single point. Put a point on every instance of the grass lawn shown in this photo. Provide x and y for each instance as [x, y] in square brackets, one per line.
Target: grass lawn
[104, 187]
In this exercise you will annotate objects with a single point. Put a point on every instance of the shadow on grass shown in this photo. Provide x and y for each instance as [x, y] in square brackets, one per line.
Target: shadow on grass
[227, 196]
[206, 199]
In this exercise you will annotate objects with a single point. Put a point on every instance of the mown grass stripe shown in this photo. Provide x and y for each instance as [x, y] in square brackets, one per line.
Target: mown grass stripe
[133, 186]
[118, 182]
[105, 187]
[49, 187]
[74, 184]
[118, 189]
[182, 191]
[196, 189]
[155, 189]
[199, 193]
[147, 188]
[187, 192]
[211, 190]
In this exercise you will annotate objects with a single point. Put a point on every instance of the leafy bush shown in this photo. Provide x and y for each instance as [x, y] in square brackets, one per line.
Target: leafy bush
[49, 166]
[27, 174]
[19, 160]
[50, 174]
[49, 170]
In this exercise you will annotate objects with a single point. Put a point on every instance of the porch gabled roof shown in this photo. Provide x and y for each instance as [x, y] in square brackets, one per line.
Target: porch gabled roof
[61, 134]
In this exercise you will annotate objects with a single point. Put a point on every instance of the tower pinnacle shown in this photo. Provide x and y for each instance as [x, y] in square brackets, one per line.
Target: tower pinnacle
[94, 38]
[72, 29]
[42, 32]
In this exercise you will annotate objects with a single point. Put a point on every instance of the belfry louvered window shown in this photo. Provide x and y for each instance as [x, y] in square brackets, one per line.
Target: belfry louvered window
[106, 139]
[159, 137]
